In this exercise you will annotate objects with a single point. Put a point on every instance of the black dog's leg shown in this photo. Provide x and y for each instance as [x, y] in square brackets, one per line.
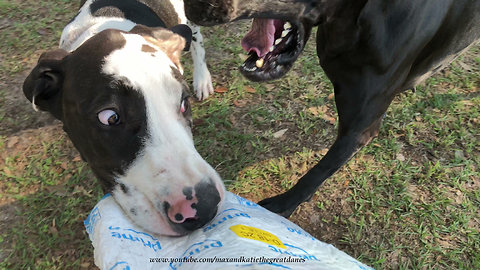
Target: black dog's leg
[361, 111]
[340, 152]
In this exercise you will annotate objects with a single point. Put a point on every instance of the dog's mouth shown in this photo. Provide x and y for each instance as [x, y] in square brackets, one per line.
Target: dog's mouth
[273, 46]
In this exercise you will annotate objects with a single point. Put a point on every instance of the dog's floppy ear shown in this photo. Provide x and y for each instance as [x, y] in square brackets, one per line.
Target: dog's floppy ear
[170, 42]
[184, 31]
[44, 83]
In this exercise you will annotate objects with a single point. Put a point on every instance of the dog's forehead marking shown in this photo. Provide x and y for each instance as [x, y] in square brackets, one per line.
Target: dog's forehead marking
[152, 76]
[131, 61]
[148, 48]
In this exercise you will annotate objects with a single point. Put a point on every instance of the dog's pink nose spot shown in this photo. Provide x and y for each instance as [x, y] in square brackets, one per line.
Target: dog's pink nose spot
[181, 211]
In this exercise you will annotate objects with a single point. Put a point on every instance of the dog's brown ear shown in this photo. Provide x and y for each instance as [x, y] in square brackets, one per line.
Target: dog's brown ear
[170, 41]
[44, 83]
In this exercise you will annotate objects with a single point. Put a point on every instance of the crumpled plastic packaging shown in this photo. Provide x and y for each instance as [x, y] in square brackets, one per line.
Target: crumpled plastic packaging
[243, 235]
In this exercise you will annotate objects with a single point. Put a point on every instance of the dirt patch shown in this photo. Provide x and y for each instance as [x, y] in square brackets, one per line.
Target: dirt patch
[16, 111]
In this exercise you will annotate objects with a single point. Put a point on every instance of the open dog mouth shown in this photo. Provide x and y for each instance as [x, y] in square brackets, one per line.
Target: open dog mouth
[273, 46]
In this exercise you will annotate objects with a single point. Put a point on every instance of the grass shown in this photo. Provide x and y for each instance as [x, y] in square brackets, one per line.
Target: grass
[408, 200]
[46, 193]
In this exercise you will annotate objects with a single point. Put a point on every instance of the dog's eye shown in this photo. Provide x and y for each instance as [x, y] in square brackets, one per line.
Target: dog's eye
[185, 105]
[108, 117]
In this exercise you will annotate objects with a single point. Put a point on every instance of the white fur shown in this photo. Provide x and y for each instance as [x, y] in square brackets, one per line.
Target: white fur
[86, 26]
[202, 80]
[169, 161]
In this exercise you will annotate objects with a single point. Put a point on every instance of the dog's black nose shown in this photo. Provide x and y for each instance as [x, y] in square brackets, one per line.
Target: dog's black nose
[196, 209]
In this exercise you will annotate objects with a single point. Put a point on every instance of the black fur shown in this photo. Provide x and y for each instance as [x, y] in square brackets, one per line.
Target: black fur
[371, 50]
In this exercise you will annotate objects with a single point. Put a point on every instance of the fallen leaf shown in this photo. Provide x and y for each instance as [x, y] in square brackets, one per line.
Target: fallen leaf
[64, 165]
[444, 242]
[250, 90]
[221, 89]
[239, 103]
[460, 197]
[329, 119]
[269, 87]
[317, 110]
[279, 133]
[303, 168]
[400, 157]
[77, 159]
[476, 120]
[331, 96]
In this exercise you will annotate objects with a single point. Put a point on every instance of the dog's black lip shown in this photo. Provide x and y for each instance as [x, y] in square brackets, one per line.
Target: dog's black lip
[277, 65]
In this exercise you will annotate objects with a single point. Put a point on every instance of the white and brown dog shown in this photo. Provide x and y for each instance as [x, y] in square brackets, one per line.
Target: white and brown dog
[116, 84]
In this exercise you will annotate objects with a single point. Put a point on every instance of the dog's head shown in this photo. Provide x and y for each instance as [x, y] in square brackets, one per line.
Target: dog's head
[278, 35]
[124, 104]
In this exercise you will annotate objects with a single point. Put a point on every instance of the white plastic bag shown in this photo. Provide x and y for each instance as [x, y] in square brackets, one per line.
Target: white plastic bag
[243, 235]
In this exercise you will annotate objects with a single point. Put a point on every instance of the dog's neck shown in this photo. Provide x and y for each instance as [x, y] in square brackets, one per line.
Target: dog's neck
[73, 36]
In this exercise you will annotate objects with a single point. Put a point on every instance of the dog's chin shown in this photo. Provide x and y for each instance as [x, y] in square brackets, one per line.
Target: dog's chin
[264, 64]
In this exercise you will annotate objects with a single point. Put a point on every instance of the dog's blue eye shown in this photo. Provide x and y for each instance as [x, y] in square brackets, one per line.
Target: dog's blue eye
[108, 117]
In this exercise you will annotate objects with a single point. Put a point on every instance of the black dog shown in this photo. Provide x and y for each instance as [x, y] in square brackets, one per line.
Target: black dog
[370, 50]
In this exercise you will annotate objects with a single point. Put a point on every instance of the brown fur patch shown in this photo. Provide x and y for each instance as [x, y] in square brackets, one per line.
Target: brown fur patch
[148, 48]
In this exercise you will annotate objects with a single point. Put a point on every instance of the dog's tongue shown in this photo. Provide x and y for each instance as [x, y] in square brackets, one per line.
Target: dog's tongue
[260, 38]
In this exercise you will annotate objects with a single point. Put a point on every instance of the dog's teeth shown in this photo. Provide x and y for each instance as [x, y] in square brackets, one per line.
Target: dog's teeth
[278, 41]
[272, 48]
[287, 25]
[285, 33]
[259, 63]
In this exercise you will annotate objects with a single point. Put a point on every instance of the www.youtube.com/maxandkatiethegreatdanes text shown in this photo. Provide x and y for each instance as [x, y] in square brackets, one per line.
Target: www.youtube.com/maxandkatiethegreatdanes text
[240, 259]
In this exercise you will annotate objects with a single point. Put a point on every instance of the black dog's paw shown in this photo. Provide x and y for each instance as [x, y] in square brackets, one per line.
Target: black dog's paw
[279, 204]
